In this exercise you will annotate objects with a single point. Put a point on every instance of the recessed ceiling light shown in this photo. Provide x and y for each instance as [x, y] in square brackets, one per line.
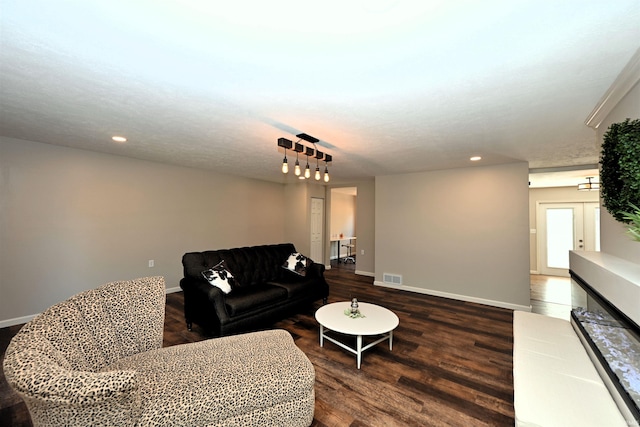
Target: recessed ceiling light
[119, 138]
[475, 158]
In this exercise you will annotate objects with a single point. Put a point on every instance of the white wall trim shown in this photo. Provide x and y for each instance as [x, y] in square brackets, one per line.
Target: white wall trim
[365, 273]
[16, 321]
[24, 319]
[626, 80]
[360, 272]
[500, 304]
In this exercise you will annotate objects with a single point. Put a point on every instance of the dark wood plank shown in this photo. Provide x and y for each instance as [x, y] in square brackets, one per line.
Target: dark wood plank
[451, 362]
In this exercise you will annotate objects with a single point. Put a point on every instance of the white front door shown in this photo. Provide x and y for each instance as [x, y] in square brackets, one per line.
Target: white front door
[563, 227]
[317, 228]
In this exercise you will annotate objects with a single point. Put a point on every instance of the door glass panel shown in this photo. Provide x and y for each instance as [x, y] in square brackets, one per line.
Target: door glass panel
[560, 237]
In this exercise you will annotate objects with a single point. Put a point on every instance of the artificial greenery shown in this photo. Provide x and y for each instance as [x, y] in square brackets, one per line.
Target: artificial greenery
[620, 168]
[633, 218]
[353, 314]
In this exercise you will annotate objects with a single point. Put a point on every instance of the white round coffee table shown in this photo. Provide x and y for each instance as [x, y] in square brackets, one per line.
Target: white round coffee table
[376, 321]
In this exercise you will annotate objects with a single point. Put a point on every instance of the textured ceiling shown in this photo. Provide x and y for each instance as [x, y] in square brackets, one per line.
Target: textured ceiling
[387, 86]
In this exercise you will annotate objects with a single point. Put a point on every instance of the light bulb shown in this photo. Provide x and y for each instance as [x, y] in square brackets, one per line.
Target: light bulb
[285, 166]
[317, 176]
[307, 172]
[326, 174]
[296, 168]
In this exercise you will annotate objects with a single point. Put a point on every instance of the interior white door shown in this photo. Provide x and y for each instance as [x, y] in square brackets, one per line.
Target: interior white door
[317, 230]
[563, 227]
[591, 213]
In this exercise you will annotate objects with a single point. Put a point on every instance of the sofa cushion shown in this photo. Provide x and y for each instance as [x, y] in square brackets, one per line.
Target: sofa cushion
[302, 286]
[253, 379]
[247, 299]
[220, 277]
[297, 263]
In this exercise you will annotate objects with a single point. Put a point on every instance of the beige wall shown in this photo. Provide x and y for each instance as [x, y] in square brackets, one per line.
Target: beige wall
[548, 195]
[73, 219]
[365, 224]
[297, 214]
[614, 239]
[461, 233]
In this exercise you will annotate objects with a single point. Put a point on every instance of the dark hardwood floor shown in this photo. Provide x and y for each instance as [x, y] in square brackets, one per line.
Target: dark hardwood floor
[451, 363]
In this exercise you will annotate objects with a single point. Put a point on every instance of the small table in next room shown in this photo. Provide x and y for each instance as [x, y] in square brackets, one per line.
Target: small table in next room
[376, 321]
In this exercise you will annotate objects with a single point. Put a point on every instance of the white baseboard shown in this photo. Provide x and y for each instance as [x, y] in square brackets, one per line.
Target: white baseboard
[500, 304]
[359, 272]
[24, 319]
[16, 321]
[365, 273]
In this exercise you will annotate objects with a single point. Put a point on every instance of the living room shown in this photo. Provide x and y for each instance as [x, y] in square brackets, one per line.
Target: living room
[73, 217]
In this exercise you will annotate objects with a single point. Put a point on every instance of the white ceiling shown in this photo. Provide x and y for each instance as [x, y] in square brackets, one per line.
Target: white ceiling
[388, 86]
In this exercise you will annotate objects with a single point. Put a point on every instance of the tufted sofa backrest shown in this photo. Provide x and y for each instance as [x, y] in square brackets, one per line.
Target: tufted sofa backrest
[249, 265]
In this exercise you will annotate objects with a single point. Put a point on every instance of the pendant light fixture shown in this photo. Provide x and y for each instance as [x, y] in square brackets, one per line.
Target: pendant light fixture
[319, 155]
[307, 171]
[308, 151]
[296, 168]
[327, 159]
[285, 143]
[589, 186]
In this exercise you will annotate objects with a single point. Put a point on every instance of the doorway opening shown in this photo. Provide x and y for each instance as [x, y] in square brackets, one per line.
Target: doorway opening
[564, 227]
[342, 228]
[561, 219]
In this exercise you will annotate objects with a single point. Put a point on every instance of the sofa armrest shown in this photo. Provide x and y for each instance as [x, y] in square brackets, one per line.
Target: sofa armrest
[205, 291]
[86, 388]
[80, 397]
[36, 371]
[316, 270]
[200, 299]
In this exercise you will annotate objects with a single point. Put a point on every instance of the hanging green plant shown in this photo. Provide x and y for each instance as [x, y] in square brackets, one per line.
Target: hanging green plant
[633, 218]
[620, 168]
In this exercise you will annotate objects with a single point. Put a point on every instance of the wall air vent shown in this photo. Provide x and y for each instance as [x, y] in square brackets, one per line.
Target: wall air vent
[392, 279]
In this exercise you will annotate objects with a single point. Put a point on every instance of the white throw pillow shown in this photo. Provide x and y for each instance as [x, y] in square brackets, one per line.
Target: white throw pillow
[220, 277]
[297, 263]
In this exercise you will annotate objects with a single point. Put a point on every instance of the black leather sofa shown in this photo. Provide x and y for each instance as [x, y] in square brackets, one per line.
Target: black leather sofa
[263, 291]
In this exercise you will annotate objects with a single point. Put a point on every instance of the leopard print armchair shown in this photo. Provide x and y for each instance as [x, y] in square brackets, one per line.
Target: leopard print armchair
[97, 359]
